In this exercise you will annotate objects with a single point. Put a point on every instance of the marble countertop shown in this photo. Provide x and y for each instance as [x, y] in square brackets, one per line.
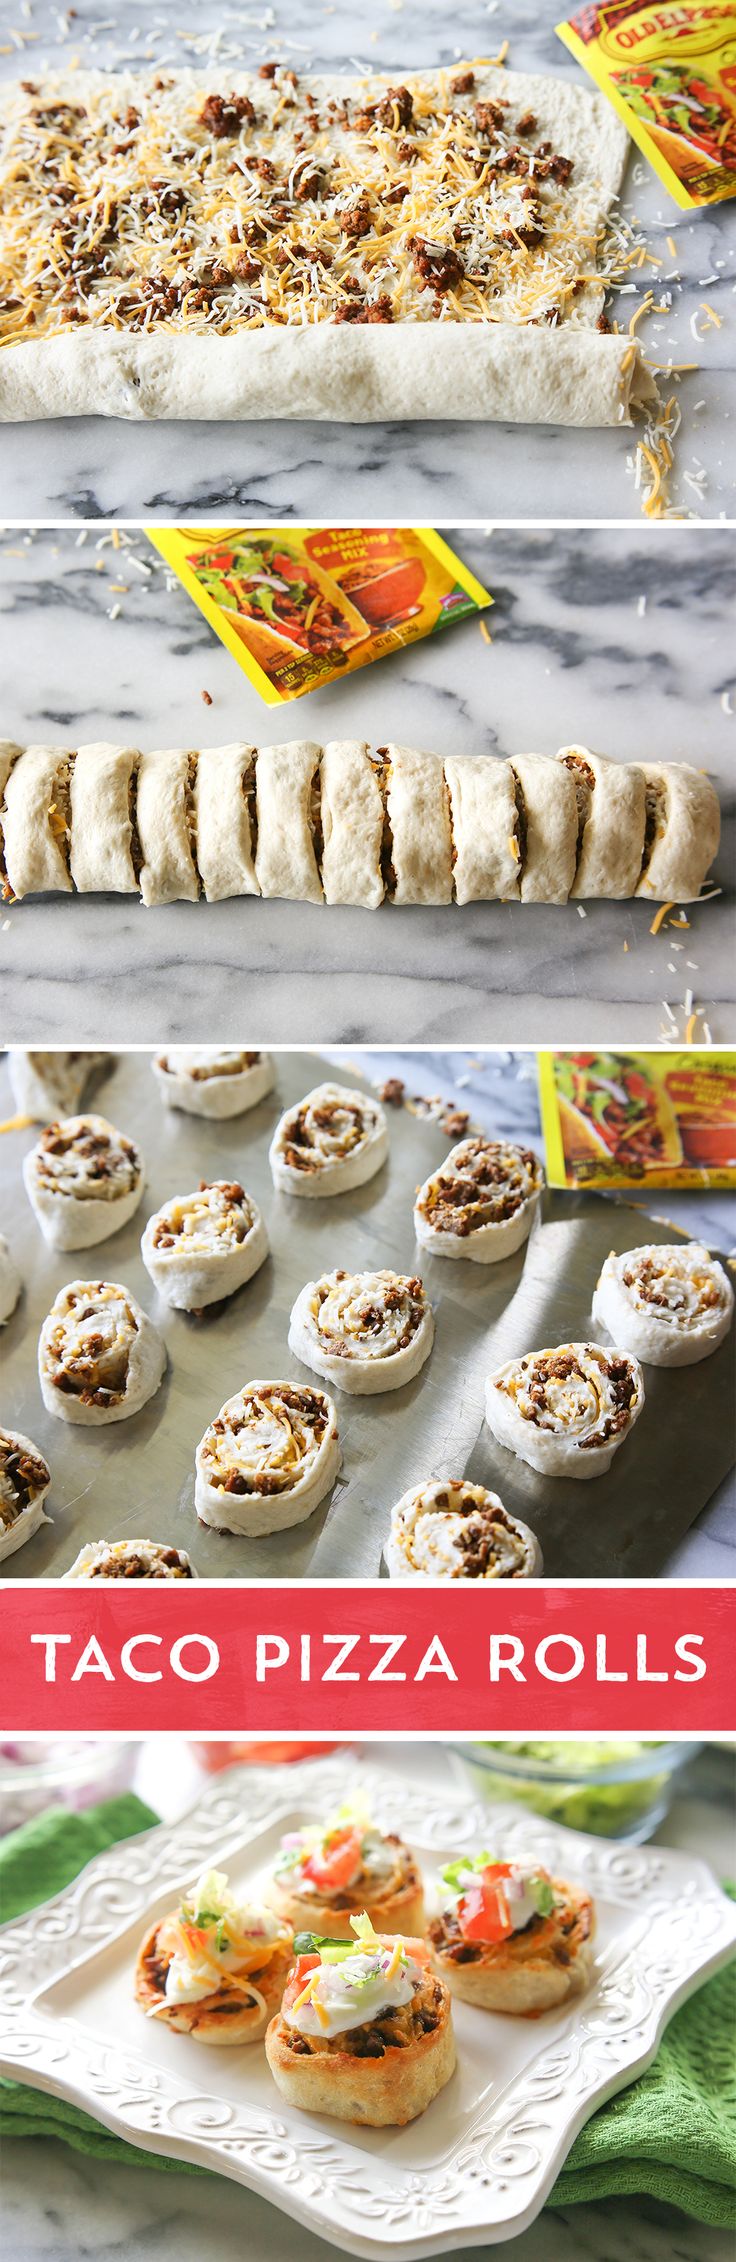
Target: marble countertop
[60, 2207]
[619, 637]
[90, 468]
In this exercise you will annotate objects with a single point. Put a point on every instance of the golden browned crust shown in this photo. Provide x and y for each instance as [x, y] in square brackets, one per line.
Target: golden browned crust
[399, 1907]
[414, 2057]
[536, 1970]
[224, 2018]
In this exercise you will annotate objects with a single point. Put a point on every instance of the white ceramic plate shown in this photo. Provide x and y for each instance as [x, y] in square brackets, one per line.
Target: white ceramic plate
[479, 2165]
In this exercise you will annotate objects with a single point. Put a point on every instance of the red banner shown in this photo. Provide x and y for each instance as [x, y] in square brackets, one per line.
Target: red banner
[369, 1659]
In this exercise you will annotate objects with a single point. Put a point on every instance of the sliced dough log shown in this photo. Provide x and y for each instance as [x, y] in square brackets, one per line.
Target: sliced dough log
[611, 813]
[684, 816]
[286, 864]
[549, 828]
[36, 792]
[101, 821]
[418, 813]
[224, 802]
[483, 817]
[165, 826]
[352, 825]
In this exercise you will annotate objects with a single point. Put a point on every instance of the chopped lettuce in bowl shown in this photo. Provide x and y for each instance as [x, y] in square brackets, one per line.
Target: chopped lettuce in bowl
[618, 1788]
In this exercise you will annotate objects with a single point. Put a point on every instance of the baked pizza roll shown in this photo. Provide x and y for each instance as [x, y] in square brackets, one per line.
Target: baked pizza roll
[366, 1331]
[668, 1305]
[482, 1203]
[36, 821]
[449, 1528]
[566, 1411]
[483, 815]
[352, 825]
[47, 1085]
[214, 1081]
[288, 811]
[365, 2032]
[216, 1967]
[104, 842]
[24, 1482]
[546, 828]
[418, 817]
[84, 1180]
[165, 816]
[327, 1873]
[510, 1937]
[225, 820]
[200, 1247]
[100, 1358]
[267, 1460]
[682, 831]
[128, 1559]
[611, 816]
[333, 1140]
[10, 1281]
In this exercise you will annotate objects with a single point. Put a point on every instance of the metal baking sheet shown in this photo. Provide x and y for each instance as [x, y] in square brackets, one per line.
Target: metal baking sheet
[136, 1478]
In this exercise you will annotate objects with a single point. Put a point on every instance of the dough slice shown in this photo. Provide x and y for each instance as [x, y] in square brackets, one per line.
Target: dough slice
[483, 818]
[332, 1140]
[46, 1085]
[670, 1305]
[365, 1331]
[611, 813]
[211, 1080]
[165, 816]
[84, 1180]
[352, 825]
[10, 1281]
[566, 1411]
[269, 1457]
[36, 821]
[24, 1482]
[287, 800]
[418, 811]
[201, 1247]
[100, 1358]
[683, 831]
[224, 804]
[547, 828]
[102, 790]
[450, 1529]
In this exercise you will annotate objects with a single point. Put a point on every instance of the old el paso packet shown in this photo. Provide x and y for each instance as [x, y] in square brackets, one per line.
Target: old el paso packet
[299, 606]
[670, 72]
[639, 1118]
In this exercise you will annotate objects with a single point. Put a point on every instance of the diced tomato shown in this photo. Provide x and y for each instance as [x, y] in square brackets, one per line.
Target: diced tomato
[298, 1977]
[338, 1862]
[483, 1910]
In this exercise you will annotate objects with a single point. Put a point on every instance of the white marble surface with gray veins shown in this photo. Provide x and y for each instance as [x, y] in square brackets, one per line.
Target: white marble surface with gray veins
[93, 468]
[621, 638]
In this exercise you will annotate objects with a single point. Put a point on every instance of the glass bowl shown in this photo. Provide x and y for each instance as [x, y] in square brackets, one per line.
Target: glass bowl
[71, 1771]
[614, 1789]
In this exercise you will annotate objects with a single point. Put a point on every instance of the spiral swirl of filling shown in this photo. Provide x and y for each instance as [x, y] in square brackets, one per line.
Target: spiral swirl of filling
[202, 1062]
[681, 1289]
[99, 1353]
[579, 1391]
[266, 1440]
[366, 1315]
[24, 1478]
[332, 1126]
[218, 1217]
[458, 1530]
[484, 1182]
[129, 1559]
[86, 1159]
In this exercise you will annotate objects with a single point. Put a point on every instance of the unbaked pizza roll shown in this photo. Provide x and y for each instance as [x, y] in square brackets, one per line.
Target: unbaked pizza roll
[417, 808]
[511, 1938]
[10, 1281]
[225, 820]
[366, 1331]
[214, 1968]
[47, 1085]
[352, 825]
[165, 817]
[288, 815]
[100, 1358]
[128, 1559]
[668, 1305]
[547, 828]
[611, 814]
[266, 1461]
[102, 831]
[566, 1411]
[452, 1529]
[10, 753]
[215, 1081]
[36, 821]
[682, 834]
[364, 2032]
[24, 1482]
[483, 816]
[328, 1872]
[84, 1180]
[201, 1247]
[333, 1140]
[482, 1203]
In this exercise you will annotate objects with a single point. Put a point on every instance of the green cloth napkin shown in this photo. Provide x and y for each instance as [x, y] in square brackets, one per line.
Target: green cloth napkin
[671, 2134]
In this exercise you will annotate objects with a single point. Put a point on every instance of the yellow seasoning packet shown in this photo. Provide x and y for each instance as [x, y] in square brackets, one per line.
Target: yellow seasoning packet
[670, 72]
[639, 1119]
[299, 606]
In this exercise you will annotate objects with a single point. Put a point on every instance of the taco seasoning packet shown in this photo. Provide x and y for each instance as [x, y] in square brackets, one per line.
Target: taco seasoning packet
[639, 1119]
[299, 606]
[670, 72]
